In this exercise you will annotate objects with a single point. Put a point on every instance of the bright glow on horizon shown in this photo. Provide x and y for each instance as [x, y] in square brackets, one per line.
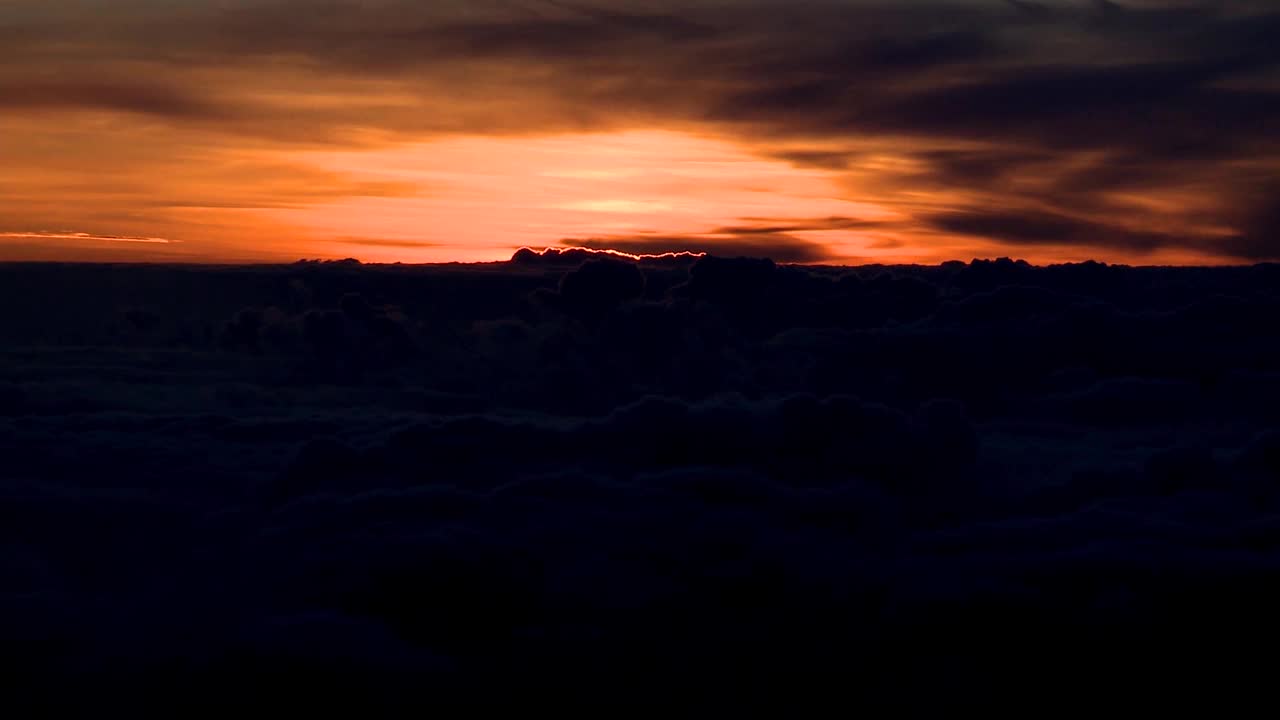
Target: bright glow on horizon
[843, 132]
[478, 198]
[481, 198]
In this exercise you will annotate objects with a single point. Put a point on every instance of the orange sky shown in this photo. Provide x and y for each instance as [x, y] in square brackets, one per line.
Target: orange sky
[479, 197]
[465, 198]
[272, 130]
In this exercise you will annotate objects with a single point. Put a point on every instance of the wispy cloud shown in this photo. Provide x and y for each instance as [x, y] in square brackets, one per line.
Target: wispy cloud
[64, 235]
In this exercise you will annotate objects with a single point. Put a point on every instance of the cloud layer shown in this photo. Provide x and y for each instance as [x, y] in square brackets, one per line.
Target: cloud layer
[570, 479]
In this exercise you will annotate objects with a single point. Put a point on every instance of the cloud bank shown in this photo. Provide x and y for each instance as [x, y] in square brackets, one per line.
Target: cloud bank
[574, 478]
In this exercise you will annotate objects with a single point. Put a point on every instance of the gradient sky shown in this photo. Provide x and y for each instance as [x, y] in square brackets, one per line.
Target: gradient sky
[807, 130]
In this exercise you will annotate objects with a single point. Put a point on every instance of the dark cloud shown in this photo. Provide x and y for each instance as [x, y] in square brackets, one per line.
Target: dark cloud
[832, 160]
[600, 285]
[1083, 107]
[769, 226]
[385, 242]
[887, 244]
[127, 96]
[929, 50]
[1048, 228]
[979, 168]
[748, 242]
[1032, 9]
[380, 490]
[575, 256]
[1259, 237]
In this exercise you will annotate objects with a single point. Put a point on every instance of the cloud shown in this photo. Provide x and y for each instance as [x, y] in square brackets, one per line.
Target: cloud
[779, 226]
[127, 96]
[979, 168]
[46, 235]
[711, 469]
[385, 242]
[828, 159]
[988, 104]
[753, 66]
[1037, 227]
[576, 255]
[599, 285]
[759, 243]
[1259, 237]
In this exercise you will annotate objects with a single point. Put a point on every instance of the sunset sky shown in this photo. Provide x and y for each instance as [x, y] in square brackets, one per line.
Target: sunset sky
[835, 131]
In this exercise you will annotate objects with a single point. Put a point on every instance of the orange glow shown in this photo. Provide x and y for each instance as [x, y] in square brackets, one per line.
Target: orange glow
[480, 198]
[388, 130]
[477, 198]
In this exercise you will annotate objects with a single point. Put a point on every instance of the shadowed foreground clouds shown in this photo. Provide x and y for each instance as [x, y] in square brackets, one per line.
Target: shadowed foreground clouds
[1060, 129]
[577, 482]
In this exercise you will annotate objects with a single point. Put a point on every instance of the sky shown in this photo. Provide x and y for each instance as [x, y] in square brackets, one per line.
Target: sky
[815, 131]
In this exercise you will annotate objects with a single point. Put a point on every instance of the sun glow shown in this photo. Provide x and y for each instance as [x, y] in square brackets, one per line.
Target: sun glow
[479, 198]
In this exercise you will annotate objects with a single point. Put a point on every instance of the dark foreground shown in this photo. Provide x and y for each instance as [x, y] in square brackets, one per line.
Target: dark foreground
[327, 488]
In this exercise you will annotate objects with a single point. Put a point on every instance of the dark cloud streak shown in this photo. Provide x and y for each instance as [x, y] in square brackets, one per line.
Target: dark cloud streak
[127, 96]
[1032, 227]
